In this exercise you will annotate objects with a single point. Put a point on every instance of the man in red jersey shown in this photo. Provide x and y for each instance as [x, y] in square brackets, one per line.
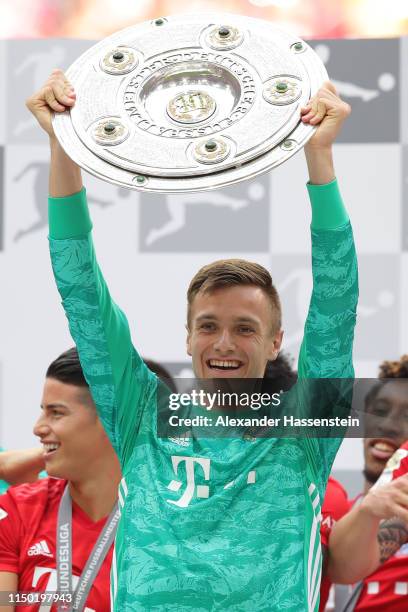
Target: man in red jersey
[54, 533]
[370, 543]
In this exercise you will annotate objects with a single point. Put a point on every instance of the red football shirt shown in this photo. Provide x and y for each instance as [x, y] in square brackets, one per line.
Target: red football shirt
[335, 505]
[387, 588]
[28, 518]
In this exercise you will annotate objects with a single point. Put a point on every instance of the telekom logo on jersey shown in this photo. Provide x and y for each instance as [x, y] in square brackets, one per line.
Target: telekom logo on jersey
[51, 585]
[202, 491]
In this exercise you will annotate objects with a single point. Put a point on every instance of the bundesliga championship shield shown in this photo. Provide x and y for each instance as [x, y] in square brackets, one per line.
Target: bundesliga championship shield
[189, 103]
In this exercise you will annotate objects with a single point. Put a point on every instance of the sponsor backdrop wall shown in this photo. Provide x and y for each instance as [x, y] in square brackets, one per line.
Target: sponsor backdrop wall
[149, 246]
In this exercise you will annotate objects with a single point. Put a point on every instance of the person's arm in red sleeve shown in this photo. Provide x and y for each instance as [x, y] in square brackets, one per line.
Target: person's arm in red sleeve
[10, 529]
[370, 533]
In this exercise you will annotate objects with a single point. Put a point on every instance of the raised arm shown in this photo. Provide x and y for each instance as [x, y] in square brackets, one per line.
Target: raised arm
[119, 381]
[57, 95]
[326, 350]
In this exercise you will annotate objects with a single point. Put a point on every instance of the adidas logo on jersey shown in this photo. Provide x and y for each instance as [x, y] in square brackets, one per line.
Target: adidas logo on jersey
[40, 548]
[180, 441]
[183, 439]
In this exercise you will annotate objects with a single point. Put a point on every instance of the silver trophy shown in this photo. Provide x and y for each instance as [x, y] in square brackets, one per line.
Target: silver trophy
[189, 103]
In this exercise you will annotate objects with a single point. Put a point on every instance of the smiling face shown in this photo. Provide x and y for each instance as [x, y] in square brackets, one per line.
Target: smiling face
[390, 407]
[231, 332]
[72, 435]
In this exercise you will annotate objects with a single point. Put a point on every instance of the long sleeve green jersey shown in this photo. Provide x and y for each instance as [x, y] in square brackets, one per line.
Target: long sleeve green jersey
[209, 524]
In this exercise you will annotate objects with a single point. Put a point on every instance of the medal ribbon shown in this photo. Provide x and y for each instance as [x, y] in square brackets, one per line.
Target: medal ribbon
[64, 554]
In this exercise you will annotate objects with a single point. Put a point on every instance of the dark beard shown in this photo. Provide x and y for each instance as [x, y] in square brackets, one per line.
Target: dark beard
[370, 477]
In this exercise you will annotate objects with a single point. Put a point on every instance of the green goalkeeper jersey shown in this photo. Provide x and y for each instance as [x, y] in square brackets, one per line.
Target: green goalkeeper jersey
[214, 524]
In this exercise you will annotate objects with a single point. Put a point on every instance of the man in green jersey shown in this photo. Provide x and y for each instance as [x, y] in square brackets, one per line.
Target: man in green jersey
[211, 524]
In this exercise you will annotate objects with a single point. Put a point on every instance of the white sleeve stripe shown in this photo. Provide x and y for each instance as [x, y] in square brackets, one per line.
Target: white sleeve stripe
[124, 485]
[316, 579]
